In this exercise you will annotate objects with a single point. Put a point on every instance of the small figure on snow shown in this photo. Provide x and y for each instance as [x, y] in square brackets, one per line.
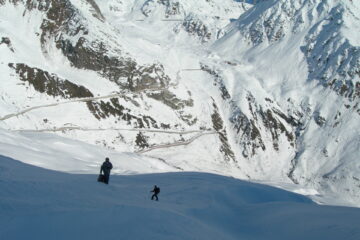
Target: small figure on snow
[106, 168]
[156, 191]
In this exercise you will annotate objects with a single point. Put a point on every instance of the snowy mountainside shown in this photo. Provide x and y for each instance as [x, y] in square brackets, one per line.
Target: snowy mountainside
[302, 55]
[73, 59]
[203, 20]
[265, 91]
[330, 47]
[63, 154]
[79, 82]
[49, 204]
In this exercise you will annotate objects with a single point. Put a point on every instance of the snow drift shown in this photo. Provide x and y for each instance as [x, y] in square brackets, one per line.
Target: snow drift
[40, 204]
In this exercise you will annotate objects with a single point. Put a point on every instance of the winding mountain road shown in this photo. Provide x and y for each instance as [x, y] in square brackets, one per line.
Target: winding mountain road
[178, 77]
[59, 103]
[176, 144]
[200, 133]
[109, 129]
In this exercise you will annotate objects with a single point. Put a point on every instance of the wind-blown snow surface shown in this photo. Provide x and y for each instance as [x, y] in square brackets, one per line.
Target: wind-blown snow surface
[42, 204]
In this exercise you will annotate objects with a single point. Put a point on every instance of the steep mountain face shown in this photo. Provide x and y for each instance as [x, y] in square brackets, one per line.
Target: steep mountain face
[265, 90]
[80, 80]
[330, 45]
[306, 59]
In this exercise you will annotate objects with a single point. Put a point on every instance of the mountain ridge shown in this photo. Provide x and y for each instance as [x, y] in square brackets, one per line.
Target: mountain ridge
[264, 77]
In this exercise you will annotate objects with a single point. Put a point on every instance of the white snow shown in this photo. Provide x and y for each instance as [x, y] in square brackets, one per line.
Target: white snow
[41, 204]
[327, 166]
[62, 154]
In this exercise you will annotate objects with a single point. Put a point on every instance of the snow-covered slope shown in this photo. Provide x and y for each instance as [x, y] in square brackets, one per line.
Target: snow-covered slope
[41, 204]
[99, 81]
[302, 57]
[266, 91]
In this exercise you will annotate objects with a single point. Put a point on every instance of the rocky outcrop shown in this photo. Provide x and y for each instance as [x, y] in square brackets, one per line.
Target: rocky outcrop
[113, 108]
[248, 128]
[141, 141]
[125, 72]
[248, 134]
[172, 7]
[261, 121]
[219, 126]
[218, 81]
[170, 99]
[272, 23]
[194, 26]
[7, 42]
[331, 57]
[51, 84]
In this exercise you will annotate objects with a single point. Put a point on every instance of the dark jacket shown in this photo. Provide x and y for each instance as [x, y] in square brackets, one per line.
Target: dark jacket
[106, 167]
[156, 190]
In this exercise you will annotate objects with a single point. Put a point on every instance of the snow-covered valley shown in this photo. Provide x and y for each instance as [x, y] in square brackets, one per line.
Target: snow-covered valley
[264, 91]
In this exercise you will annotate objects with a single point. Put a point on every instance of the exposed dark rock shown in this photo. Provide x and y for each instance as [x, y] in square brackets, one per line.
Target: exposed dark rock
[269, 100]
[96, 10]
[218, 125]
[218, 81]
[276, 128]
[170, 99]
[48, 83]
[249, 135]
[123, 71]
[61, 18]
[357, 89]
[332, 62]
[165, 126]
[196, 27]
[148, 77]
[319, 119]
[294, 163]
[248, 131]
[64, 20]
[325, 152]
[141, 141]
[172, 8]
[187, 118]
[106, 109]
[289, 119]
[6, 41]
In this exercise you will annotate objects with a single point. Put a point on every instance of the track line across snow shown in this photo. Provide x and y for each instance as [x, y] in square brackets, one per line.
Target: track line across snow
[8, 116]
[108, 129]
[180, 143]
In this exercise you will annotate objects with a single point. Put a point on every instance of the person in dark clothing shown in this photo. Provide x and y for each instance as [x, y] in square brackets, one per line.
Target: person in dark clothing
[156, 191]
[106, 168]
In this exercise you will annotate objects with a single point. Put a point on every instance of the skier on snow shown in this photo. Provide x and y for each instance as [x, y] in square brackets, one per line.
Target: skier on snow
[156, 191]
[106, 168]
